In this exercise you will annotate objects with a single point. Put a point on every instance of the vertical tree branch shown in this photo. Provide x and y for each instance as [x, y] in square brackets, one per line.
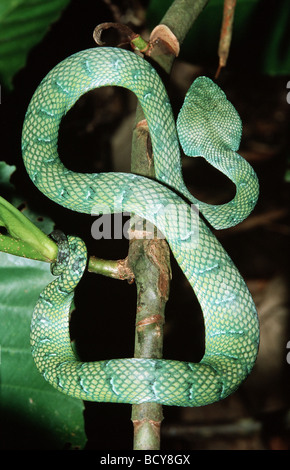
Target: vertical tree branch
[181, 15]
[149, 260]
[226, 33]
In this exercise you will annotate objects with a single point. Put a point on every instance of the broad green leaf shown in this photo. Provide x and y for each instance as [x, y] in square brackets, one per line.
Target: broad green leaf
[23, 23]
[33, 414]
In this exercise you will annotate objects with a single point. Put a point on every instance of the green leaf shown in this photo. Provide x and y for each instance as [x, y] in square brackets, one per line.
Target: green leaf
[25, 229]
[35, 243]
[33, 414]
[12, 195]
[23, 23]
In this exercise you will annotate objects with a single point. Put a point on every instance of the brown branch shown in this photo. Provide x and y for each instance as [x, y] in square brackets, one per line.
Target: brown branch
[116, 269]
[226, 33]
[150, 259]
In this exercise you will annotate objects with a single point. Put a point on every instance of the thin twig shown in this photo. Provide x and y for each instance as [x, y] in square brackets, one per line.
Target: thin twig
[116, 269]
[226, 33]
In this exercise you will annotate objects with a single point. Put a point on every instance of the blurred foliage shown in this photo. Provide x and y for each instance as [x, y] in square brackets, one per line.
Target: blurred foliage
[261, 38]
[261, 35]
[23, 23]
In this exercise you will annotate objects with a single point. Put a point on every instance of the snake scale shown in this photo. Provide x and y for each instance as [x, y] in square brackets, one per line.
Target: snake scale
[209, 126]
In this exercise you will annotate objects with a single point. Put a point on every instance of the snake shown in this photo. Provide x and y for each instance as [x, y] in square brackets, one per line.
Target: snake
[207, 126]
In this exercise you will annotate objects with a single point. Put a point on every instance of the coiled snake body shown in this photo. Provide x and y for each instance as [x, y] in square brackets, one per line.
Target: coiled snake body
[208, 126]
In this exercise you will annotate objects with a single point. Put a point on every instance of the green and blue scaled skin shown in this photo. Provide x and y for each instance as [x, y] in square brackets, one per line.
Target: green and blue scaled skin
[208, 125]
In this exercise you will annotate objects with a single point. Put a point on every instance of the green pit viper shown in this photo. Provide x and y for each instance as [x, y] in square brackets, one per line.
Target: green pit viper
[208, 125]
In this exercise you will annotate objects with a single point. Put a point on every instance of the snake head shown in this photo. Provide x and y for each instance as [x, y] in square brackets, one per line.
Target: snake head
[208, 120]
